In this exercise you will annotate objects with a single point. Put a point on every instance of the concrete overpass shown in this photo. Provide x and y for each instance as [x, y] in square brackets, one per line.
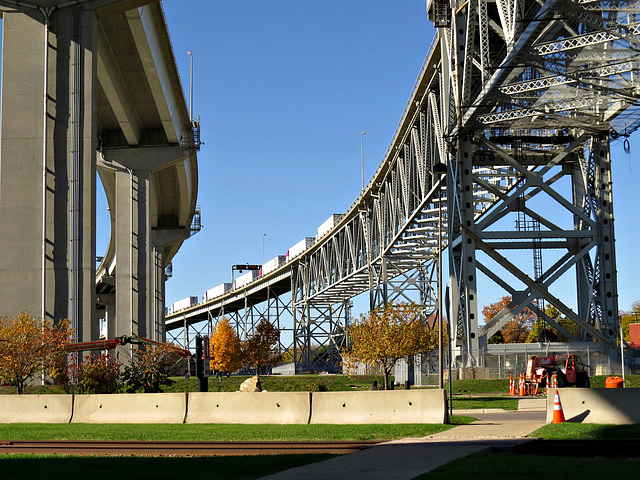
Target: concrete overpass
[111, 101]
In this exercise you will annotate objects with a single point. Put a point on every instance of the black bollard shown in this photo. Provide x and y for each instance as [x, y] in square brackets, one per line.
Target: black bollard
[407, 385]
[374, 386]
[203, 384]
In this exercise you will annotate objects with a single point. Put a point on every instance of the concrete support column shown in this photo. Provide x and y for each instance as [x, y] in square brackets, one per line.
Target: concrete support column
[47, 172]
[139, 244]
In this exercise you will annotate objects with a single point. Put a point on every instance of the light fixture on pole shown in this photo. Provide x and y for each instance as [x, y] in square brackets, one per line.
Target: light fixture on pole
[190, 86]
[440, 169]
[263, 235]
[362, 156]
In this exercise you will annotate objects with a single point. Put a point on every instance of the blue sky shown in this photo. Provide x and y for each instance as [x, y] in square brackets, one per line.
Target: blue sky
[284, 89]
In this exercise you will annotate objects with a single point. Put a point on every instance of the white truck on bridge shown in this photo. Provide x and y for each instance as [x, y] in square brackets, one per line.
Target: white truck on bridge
[300, 247]
[216, 292]
[182, 304]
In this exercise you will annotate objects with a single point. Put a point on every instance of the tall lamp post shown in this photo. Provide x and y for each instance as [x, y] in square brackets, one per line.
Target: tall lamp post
[263, 235]
[440, 169]
[190, 85]
[362, 157]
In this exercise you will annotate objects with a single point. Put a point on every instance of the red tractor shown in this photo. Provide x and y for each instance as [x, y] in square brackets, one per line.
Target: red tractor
[569, 368]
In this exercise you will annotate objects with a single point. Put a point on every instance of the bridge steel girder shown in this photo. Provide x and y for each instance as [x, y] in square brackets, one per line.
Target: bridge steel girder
[520, 100]
[531, 94]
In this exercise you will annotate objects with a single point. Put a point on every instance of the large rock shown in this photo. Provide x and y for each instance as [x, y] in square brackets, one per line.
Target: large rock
[251, 384]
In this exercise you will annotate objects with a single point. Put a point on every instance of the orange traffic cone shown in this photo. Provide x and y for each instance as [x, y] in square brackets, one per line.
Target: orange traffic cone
[522, 387]
[512, 386]
[558, 414]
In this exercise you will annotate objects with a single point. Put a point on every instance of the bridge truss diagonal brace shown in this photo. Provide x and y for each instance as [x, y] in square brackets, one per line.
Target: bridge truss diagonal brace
[405, 280]
[319, 329]
[587, 241]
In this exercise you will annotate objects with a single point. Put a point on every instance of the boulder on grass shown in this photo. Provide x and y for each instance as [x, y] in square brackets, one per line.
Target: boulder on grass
[251, 384]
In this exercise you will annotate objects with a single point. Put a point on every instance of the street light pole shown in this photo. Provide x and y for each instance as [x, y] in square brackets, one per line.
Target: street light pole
[263, 235]
[190, 86]
[362, 156]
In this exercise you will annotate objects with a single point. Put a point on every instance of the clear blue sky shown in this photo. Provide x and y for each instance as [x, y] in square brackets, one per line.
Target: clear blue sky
[284, 89]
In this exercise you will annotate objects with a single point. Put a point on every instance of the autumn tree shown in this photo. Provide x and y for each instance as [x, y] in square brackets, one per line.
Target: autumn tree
[384, 336]
[149, 369]
[262, 348]
[518, 328]
[225, 348]
[545, 331]
[28, 346]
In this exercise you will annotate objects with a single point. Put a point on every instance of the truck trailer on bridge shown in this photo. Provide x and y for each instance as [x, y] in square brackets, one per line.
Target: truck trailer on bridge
[272, 264]
[182, 304]
[327, 225]
[216, 291]
[243, 280]
[300, 247]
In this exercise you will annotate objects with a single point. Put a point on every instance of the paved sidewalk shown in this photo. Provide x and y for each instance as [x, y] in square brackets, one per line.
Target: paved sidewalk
[407, 458]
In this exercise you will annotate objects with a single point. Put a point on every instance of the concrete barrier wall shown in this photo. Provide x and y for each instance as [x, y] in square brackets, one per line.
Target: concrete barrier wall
[245, 407]
[397, 406]
[130, 408]
[36, 408]
[616, 406]
[394, 406]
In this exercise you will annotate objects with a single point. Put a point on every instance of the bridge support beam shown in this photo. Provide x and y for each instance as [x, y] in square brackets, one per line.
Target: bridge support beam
[139, 243]
[462, 255]
[47, 173]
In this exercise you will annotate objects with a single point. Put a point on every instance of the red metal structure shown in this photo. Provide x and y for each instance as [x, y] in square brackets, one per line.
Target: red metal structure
[569, 368]
[124, 340]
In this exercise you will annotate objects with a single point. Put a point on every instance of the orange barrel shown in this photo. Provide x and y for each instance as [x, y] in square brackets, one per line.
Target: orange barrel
[614, 382]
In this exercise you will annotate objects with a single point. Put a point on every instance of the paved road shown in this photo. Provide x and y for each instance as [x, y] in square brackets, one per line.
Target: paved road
[407, 458]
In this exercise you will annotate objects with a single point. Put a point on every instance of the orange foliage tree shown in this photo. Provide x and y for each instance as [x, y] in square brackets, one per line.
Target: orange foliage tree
[29, 345]
[225, 348]
[262, 348]
[384, 336]
[517, 330]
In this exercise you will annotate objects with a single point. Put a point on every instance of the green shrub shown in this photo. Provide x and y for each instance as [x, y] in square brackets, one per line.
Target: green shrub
[99, 374]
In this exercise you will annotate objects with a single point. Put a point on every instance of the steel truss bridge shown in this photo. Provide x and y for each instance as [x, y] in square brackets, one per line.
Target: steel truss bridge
[520, 100]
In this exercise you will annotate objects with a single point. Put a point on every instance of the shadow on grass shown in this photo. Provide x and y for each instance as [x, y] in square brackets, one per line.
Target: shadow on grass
[483, 466]
[99, 468]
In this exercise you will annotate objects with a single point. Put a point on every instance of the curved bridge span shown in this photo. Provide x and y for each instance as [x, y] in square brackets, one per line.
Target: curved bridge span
[502, 155]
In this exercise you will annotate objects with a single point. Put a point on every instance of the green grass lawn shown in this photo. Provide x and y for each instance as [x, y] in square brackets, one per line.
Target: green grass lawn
[217, 432]
[215, 468]
[586, 431]
[331, 383]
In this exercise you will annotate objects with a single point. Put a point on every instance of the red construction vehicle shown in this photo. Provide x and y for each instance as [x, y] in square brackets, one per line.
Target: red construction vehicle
[124, 340]
[569, 369]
